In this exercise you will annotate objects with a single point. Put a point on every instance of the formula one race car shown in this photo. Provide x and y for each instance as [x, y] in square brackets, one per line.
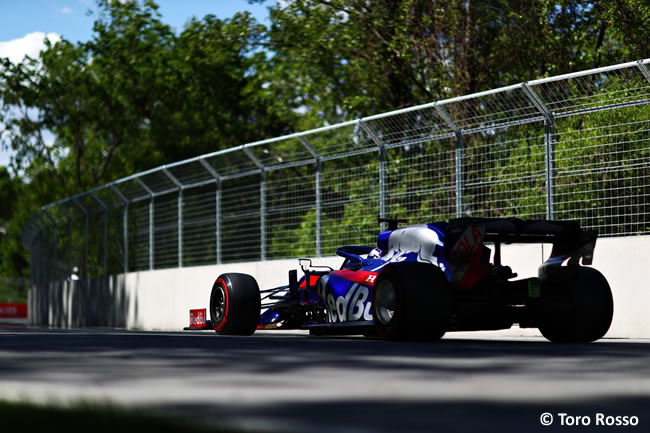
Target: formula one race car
[422, 281]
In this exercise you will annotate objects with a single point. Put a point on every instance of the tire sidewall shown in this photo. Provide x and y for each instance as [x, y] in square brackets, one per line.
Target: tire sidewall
[422, 302]
[242, 304]
[394, 329]
[220, 326]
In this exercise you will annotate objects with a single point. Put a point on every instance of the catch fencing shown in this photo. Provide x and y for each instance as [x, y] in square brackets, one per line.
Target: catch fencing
[575, 146]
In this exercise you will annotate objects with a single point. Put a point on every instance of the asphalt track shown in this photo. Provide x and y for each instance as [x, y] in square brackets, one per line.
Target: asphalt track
[290, 382]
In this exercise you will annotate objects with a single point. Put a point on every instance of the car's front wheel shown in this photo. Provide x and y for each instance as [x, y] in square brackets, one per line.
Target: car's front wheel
[235, 304]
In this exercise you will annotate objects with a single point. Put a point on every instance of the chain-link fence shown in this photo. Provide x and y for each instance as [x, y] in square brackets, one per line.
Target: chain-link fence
[575, 146]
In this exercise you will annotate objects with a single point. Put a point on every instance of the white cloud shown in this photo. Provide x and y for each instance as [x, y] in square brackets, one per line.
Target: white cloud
[66, 10]
[29, 45]
[5, 156]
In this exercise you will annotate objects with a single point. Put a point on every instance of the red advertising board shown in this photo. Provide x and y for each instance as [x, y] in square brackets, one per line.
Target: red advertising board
[13, 311]
[197, 318]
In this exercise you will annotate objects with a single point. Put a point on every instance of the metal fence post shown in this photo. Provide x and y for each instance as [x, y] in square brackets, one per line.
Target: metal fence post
[317, 187]
[41, 268]
[460, 183]
[382, 181]
[105, 250]
[549, 156]
[180, 228]
[549, 147]
[85, 259]
[151, 222]
[217, 215]
[55, 241]
[105, 241]
[45, 239]
[151, 233]
[459, 154]
[644, 70]
[126, 237]
[125, 226]
[179, 185]
[263, 213]
[259, 165]
[382, 166]
[319, 230]
[37, 278]
[69, 218]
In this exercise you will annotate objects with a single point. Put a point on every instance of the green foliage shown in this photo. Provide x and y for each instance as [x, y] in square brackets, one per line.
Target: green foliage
[339, 59]
[134, 97]
[12, 251]
[602, 168]
[8, 195]
[98, 417]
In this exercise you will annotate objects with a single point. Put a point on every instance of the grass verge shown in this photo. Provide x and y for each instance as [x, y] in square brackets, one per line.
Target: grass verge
[27, 417]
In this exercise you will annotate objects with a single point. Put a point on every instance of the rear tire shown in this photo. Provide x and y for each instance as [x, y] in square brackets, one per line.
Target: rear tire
[578, 309]
[235, 304]
[411, 301]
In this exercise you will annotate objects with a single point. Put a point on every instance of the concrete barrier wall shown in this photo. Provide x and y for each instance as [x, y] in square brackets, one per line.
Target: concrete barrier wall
[162, 299]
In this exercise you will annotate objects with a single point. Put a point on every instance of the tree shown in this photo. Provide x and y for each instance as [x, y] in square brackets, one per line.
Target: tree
[8, 195]
[339, 59]
[12, 253]
[134, 97]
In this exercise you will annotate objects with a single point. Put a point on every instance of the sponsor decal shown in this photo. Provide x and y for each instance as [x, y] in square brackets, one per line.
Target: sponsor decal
[418, 243]
[354, 305]
[198, 318]
[313, 279]
[466, 258]
[366, 278]
[468, 245]
[10, 310]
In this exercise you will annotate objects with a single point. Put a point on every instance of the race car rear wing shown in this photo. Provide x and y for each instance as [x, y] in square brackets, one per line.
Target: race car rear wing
[567, 237]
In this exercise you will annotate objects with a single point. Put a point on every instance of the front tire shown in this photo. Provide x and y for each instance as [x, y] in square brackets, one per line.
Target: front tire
[578, 309]
[411, 301]
[235, 304]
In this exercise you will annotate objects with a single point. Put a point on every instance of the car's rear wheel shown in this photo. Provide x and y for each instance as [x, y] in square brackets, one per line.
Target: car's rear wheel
[411, 301]
[578, 308]
[235, 304]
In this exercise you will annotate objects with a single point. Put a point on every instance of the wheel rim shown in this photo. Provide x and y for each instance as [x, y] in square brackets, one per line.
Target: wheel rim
[218, 304]
[385, 302]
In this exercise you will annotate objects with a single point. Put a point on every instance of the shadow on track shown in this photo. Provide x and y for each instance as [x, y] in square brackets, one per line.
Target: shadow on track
[281, 353]
[262, 364]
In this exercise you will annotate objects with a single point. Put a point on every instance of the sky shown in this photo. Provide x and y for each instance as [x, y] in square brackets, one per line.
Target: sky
[25, 23]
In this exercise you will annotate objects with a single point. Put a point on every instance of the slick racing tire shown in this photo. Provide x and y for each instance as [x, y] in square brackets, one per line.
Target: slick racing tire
[235, 304]
[411, 301]
[578, 308]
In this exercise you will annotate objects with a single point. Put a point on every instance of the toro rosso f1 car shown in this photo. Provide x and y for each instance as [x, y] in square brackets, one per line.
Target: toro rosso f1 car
[422, 281]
